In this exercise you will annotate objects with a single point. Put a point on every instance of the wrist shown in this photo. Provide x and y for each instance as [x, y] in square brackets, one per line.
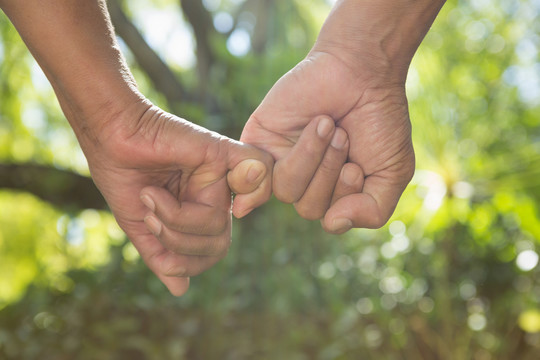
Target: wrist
[93, 118]
[102, 129]
[79, 55]
[378, 36]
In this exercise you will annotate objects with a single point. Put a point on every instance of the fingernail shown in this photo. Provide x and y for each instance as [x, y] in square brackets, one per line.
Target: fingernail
[148, 202]
[339, 140]
[341, 225]
[153, 224]
[253, 174]
[349, 176]
[325, 127]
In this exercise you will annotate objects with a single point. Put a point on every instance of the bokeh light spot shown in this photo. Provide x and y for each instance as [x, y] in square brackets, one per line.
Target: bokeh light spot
[527, 260]
[239, 43]
[477, 321]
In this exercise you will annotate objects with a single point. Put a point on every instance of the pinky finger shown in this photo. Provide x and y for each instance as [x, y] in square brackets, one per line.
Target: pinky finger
[251, 180]
[351, 181]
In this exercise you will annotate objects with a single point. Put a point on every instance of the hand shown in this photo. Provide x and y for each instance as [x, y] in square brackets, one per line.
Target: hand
[355, 74]
[179, 171]
[137, 153]
[373, 112]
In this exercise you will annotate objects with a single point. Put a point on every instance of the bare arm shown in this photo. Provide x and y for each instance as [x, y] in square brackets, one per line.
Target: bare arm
[164, 178]
[381, 35]
[73, 42]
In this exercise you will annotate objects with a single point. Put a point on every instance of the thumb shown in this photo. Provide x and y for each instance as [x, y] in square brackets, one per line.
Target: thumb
[246, 177]
[250, 177]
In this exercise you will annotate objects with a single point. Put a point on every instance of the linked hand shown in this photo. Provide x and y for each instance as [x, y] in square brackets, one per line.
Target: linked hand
[180, 172]
[373, 112]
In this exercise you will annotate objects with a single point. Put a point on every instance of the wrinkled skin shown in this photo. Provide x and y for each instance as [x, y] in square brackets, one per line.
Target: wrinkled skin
[370, 108]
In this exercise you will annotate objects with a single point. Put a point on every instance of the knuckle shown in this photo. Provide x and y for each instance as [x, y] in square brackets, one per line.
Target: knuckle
[314, 149]
[208, 247]
[285, 196]
[284, 190]
[220, 247]
[309, 212]
[377, 220]
[176, 267]
[409, 174]
[171, 219]
[218, 223]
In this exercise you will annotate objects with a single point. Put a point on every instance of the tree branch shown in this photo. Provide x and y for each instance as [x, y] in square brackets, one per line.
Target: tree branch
[261, 10]
[63, 189]
[163, 78]
[203, 27]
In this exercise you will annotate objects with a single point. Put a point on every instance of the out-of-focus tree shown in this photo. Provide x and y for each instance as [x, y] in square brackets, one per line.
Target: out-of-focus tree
[454, 275]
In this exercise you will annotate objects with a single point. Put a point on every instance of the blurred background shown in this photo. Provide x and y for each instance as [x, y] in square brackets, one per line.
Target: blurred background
[453, 275]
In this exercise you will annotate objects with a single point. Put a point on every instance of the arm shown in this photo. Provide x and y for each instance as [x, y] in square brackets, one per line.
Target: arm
[381, 36]
[355, 74]
[164, 178]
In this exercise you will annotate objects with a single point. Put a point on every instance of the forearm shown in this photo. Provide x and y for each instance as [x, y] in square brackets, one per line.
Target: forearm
[74, 43]
[383, 34]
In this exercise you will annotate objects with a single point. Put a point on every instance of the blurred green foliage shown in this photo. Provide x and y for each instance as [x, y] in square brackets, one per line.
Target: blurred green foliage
[453, 275]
